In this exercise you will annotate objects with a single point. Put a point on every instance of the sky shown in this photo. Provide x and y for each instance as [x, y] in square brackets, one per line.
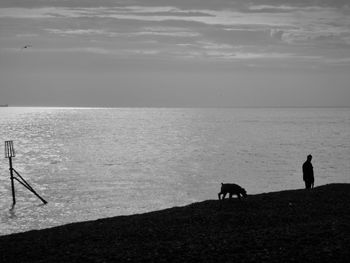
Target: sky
[178, 53]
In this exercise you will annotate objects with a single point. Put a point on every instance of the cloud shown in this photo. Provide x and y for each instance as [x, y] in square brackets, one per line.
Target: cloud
[76, 31]
[28, 13]
[237, 56]
[287, 8]
[165, 31]
[24, 35]
[168, 34]
[145, 31]
[338, 61]
[214, 45]
[250, 55]
[326, 38]
[102, 12]
[239, 32]
[210, 17]
[276, 33]
[296, 16]
[271, 7]
[226, 52]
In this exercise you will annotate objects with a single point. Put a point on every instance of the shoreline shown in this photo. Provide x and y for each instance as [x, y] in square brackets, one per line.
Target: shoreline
[285, 226]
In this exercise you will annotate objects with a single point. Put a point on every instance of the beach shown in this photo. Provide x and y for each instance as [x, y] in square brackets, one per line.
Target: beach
[286, 226]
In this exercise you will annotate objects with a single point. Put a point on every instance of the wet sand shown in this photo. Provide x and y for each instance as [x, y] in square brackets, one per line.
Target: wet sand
[287, 226]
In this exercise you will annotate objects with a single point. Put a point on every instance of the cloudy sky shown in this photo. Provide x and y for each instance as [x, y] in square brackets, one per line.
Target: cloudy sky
[184, 53]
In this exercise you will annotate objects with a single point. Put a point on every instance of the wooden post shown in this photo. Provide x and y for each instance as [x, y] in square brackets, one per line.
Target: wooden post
[9, 153]
[12, 183]
[27, 185]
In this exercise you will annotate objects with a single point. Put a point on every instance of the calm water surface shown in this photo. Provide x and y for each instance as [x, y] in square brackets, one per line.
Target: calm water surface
[94, 163]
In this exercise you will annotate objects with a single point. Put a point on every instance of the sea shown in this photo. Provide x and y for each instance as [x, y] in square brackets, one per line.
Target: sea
[91, 163]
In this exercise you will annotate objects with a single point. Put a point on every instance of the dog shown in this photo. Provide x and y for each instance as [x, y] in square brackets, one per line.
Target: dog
[232, 189]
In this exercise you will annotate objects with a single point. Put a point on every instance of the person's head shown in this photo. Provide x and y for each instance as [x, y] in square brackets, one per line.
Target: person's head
[309, 157]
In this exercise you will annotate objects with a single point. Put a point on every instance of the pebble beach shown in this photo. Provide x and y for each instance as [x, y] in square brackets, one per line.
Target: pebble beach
[287, 226]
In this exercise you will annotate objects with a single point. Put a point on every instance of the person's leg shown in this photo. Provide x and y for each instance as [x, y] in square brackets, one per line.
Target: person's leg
[307, 185]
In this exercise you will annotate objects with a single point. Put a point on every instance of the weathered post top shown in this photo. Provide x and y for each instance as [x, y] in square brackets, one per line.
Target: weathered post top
[9, 150]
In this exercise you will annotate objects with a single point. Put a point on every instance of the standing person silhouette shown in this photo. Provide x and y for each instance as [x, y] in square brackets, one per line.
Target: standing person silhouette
[308, 173]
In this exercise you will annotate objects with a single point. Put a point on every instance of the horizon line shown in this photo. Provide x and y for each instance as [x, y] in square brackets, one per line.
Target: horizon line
[179, 107]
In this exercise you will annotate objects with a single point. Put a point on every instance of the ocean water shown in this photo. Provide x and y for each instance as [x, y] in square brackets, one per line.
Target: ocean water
[92, 163]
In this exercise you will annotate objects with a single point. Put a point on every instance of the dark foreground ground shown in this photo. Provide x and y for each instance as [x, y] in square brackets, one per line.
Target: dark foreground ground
[288, 226]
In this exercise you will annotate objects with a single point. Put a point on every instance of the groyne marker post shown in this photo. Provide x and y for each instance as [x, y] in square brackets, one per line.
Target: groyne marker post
[9, 153]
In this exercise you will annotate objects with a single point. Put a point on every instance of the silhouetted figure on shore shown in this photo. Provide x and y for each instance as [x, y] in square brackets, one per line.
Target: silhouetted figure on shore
[308, 173]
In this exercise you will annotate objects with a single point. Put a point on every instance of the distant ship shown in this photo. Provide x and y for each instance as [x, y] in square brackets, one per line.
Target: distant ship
[4, 105]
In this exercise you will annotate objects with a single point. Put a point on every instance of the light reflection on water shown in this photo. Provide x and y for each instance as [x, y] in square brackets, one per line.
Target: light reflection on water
[94, 163]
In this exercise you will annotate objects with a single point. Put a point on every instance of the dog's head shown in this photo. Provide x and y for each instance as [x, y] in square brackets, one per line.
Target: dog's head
[244, 192]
